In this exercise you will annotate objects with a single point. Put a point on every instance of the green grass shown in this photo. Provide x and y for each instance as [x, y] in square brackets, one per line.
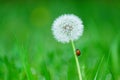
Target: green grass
[28, 50]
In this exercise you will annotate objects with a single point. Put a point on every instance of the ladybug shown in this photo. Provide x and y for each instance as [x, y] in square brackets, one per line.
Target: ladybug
[78, 52]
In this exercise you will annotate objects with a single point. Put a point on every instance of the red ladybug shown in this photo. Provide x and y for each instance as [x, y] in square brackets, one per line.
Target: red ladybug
[78, 52]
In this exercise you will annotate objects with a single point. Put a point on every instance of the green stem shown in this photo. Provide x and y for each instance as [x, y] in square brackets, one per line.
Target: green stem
[77, 62]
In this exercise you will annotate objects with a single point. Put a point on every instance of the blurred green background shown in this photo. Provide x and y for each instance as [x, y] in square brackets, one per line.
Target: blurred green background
[28, 50]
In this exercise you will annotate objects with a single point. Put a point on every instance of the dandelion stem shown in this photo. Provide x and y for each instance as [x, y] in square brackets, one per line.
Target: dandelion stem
[77, 62]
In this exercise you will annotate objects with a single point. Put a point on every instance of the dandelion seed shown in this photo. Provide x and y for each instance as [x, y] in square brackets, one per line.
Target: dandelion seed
[67, 27]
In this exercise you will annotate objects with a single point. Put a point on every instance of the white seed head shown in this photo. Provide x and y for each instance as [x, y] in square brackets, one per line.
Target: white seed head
[67, 27]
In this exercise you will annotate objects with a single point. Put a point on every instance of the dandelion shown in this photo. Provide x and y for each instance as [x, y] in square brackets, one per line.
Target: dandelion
[68, 28]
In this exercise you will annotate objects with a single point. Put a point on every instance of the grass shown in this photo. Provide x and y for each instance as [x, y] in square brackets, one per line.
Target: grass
[28, 50]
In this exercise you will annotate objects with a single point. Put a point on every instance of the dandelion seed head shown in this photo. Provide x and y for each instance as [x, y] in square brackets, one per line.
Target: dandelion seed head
[67, 27]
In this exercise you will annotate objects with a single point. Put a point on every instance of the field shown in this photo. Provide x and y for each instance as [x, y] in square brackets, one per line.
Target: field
[29, 51]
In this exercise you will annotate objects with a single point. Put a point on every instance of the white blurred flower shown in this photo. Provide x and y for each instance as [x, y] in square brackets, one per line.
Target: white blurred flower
[67, 27]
